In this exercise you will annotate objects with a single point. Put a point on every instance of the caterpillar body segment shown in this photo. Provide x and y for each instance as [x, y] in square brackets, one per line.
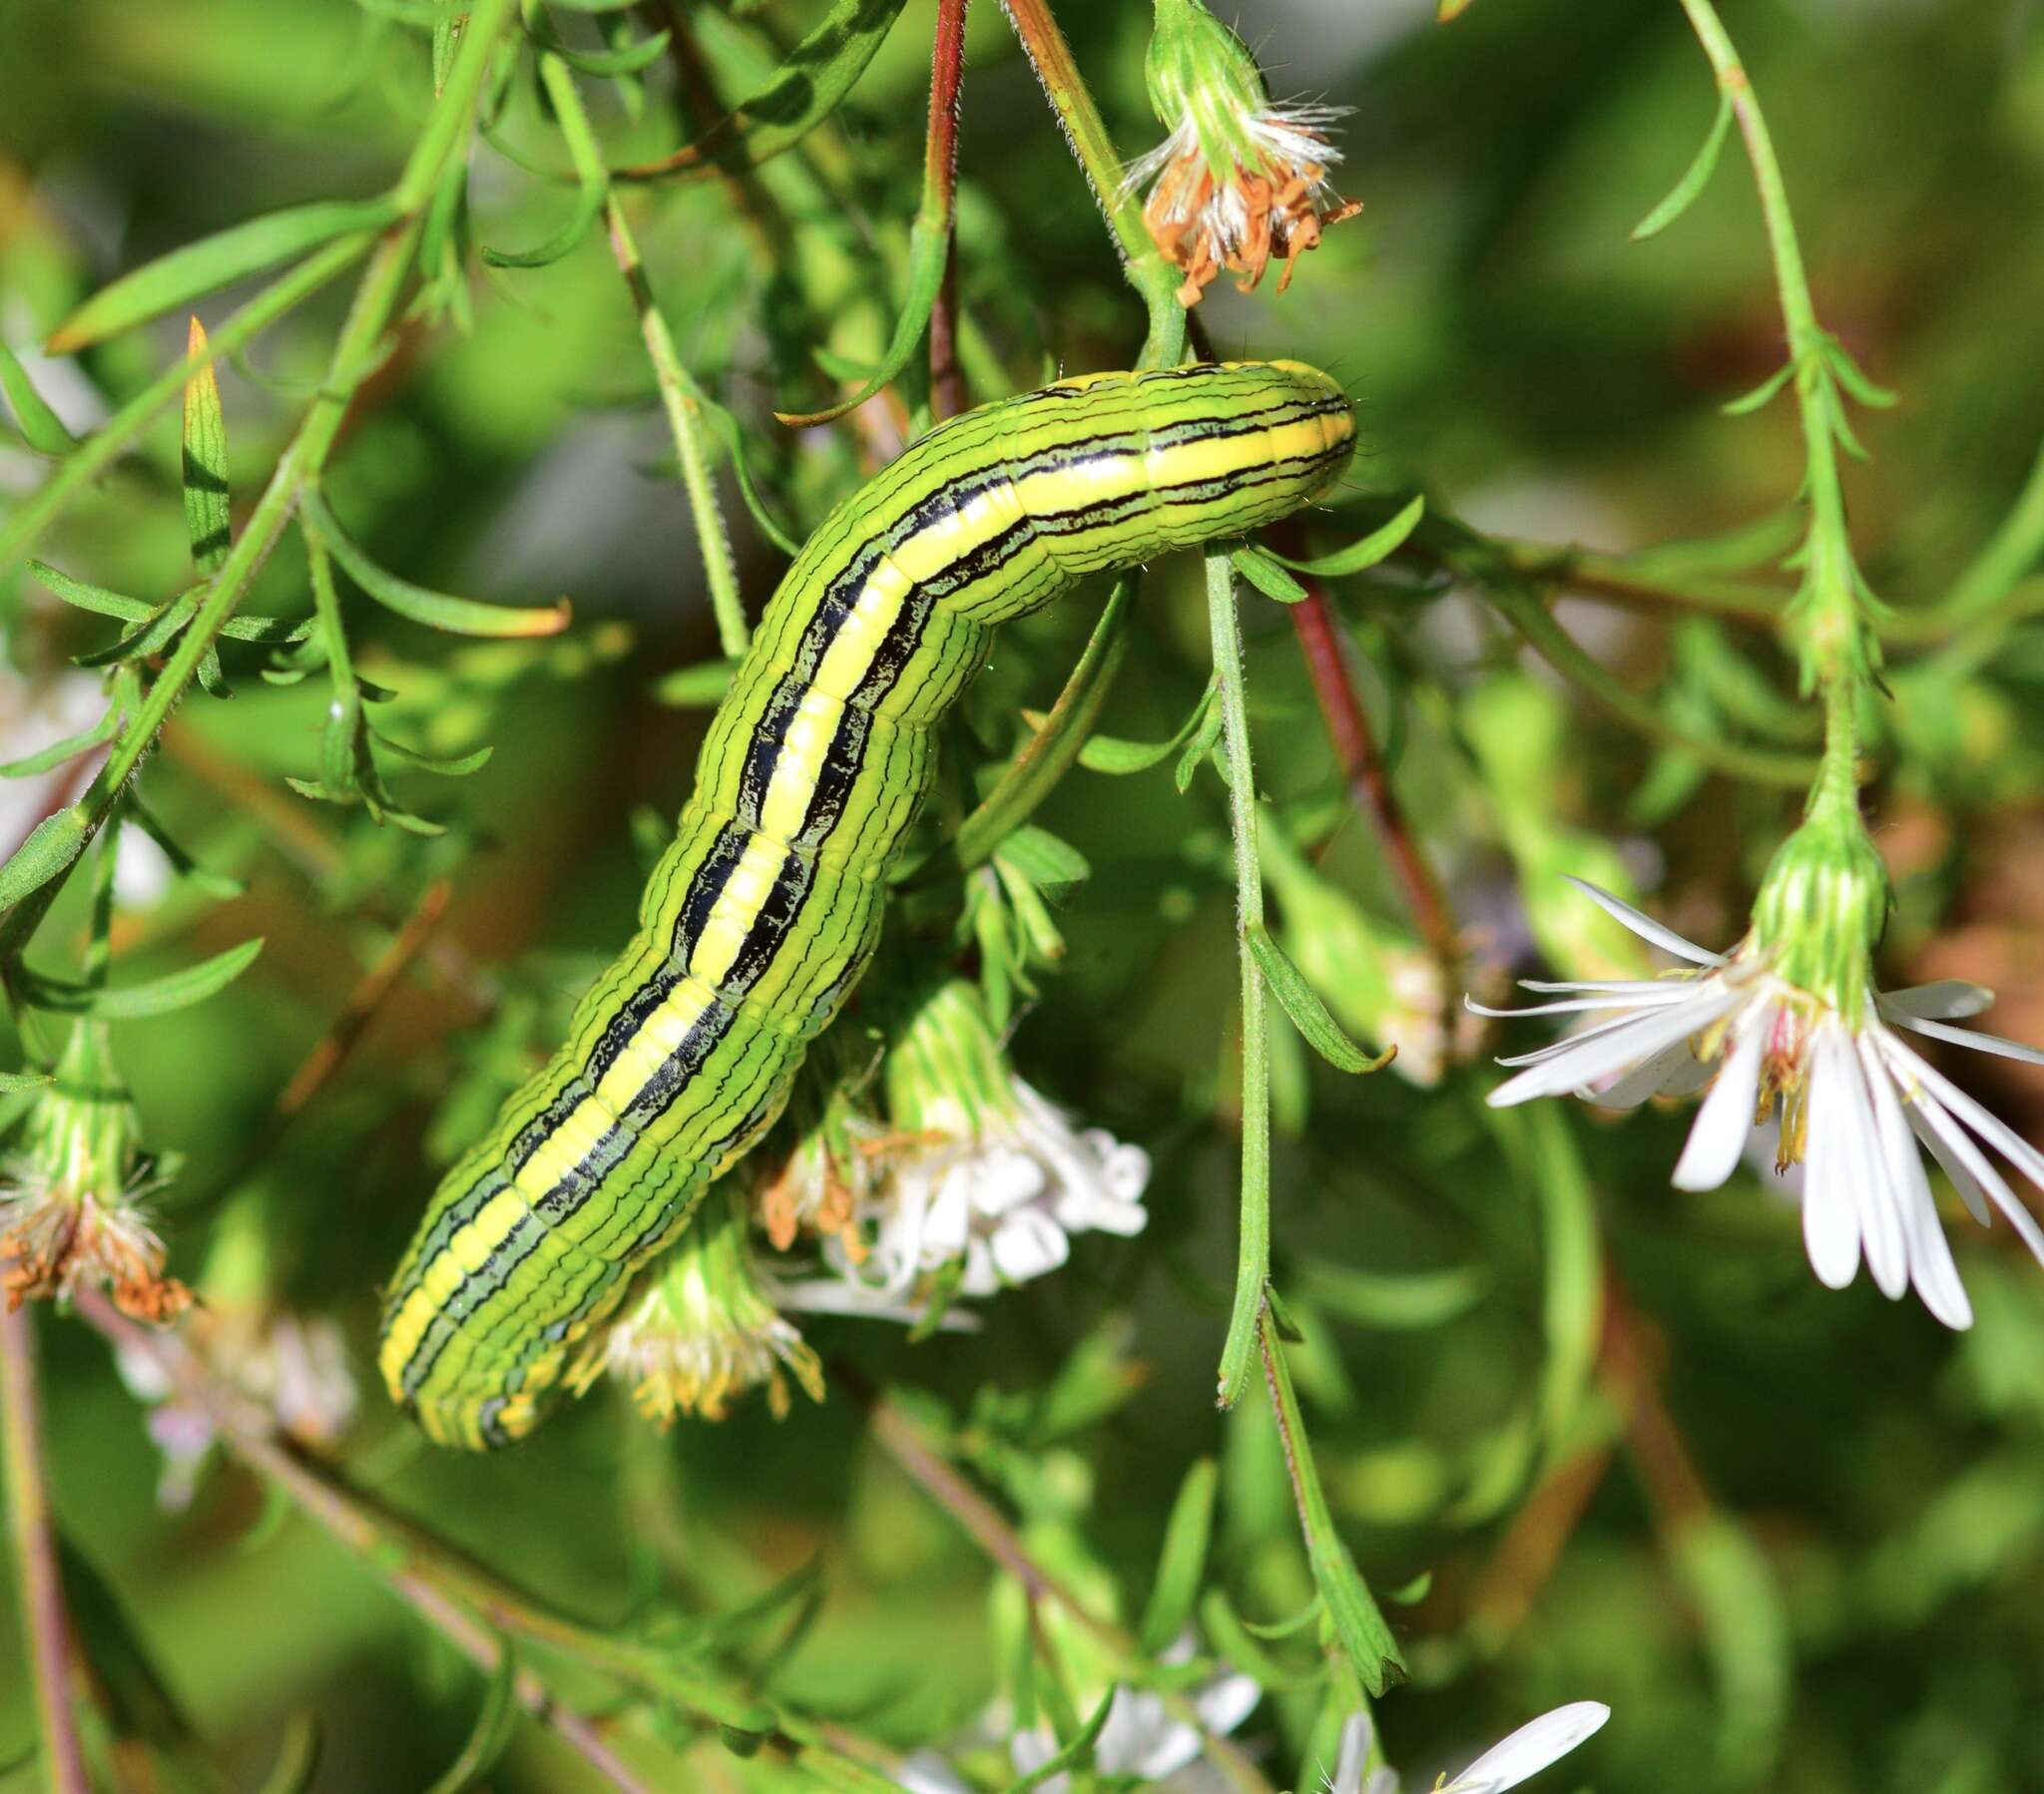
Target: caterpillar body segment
[760, 916]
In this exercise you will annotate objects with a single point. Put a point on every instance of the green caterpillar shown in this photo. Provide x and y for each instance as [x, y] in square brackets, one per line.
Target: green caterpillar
[761, 915]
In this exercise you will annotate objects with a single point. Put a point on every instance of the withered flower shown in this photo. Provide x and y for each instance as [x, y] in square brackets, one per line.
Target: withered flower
[1240, 180]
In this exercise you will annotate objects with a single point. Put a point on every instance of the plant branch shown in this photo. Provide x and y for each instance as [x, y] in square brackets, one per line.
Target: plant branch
[1320, 643]
[1252, 1247]
[354, 359]
[907, 1443]
[940, 183]
[39, 1585]
[681, 400]
[1153, 277]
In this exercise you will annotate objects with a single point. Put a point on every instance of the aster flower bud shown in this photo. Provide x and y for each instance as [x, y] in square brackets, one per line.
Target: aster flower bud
[1240, 180]
[71, 1209]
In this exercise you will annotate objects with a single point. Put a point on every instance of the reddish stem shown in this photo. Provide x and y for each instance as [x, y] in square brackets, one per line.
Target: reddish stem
[940, 186]
[1341, 709]
[38, 1581]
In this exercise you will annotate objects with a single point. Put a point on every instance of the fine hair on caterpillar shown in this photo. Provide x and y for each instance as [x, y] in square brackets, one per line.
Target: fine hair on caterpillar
[760, 916]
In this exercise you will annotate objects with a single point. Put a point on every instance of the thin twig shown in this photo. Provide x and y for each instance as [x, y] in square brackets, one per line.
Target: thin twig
[40, 1587]
[680, 399]
[1341, 709]
[906, 1443]
[947, 69]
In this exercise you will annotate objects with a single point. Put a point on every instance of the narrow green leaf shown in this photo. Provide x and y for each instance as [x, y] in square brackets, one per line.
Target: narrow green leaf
[214, 884]
[149, 996]
[1693, 178]
[1234, 1638]
[213, 263]
[1753, 401]
[54, 844]
[67, 749]
[695, 687]
[606, 63]
[591, 177]
[1308, 1014]
[1395, 1301]
[1045, 861]
[1854, 378]
[1112, 756]
[1076, 1755]
[458, 766]
[799, 96]
[435, 610]
[11, 1082]
[43, 428]
[275, 631]
[492, 1730]
[726, 426]
[207, 522]
[297, 1757]
[1182, 1562]
[1205, 740]
[1360, 556]
[1263, 571]
[929, 253]
[587, 203]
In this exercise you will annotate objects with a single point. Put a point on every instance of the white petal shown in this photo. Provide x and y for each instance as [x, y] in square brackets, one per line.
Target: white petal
[1533, 1747]
[1644, 926]
[1968, 1036]
[1941, 1001]
[1880, 1206]
[1567, 1044]
[1830, 1222]
[1357, 1736]
[1639, 1039]
[928, 1773]
[1634, 987]
[1029, 1244]
[1717, 1135]
[1983, 1120]
[1654, 1077]
[1655, 997]
[1225, 1701]
[1931, 1268]
[1963, 1181]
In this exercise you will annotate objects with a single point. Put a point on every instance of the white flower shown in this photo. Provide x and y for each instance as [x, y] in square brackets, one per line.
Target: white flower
[1532, 1748]
[1005, 1200]
[295, 1367]
[1141, 1737]
[985, 1181]
[1849, 1090]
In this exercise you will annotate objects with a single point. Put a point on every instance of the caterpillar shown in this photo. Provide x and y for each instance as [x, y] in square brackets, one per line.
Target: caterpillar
[759, 917]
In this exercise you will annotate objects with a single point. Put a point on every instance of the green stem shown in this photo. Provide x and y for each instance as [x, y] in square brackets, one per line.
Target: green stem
[354, 356]
[39, 1587]
[678, 397]
[1034, 772]
[1253, 1260]
[1836, 634]
[1153, 277]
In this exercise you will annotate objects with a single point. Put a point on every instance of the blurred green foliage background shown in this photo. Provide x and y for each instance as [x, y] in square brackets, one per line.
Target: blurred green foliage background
[1609, 1441]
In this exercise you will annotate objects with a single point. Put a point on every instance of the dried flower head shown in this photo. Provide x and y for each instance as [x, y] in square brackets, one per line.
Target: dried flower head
[1238, 181]
[707, 1328]
[70, 1196]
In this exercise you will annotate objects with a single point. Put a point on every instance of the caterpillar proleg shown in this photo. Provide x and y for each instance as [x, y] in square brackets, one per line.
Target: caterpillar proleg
[761, 915]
